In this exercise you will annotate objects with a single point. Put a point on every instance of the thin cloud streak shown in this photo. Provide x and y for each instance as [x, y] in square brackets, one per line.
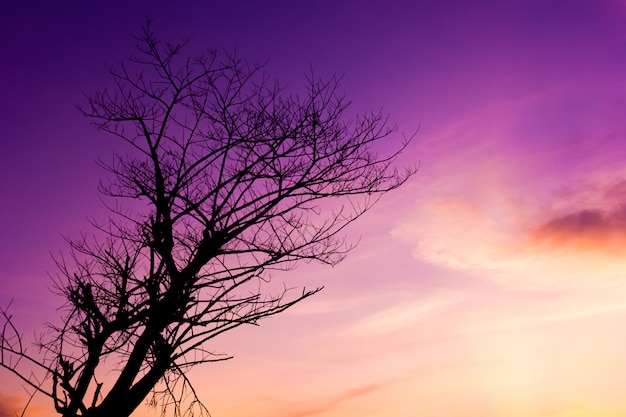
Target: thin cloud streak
[277, 406]
[400, 316]
[335, 401]
[541, 319]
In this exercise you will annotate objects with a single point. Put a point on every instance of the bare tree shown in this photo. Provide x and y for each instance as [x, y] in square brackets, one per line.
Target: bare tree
[236, 179]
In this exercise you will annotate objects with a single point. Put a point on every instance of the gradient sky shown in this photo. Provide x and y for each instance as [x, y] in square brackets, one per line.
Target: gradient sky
[492, 285]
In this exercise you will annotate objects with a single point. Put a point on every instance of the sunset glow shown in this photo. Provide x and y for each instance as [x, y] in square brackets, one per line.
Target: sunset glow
[492, 285]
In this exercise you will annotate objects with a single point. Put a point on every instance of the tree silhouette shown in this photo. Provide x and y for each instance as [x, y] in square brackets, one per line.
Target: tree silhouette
[235, 180]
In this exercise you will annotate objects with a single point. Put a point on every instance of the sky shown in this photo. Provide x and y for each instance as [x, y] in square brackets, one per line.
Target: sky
[493, 284]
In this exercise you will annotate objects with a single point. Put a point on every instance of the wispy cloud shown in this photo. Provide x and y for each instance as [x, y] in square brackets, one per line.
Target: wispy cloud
[399, 316]
[335, 401]
[509, 214]
[544, 318]
[528, 190]
[520, 245]
[270, 405]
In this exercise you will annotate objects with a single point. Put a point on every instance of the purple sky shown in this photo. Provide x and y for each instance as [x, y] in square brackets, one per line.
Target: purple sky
[493, 283]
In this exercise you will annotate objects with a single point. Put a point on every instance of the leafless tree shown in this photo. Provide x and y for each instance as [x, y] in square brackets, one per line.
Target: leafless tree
[236, 180]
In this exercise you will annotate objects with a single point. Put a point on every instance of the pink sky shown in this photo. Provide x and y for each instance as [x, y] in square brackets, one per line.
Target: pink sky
[492, 285]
